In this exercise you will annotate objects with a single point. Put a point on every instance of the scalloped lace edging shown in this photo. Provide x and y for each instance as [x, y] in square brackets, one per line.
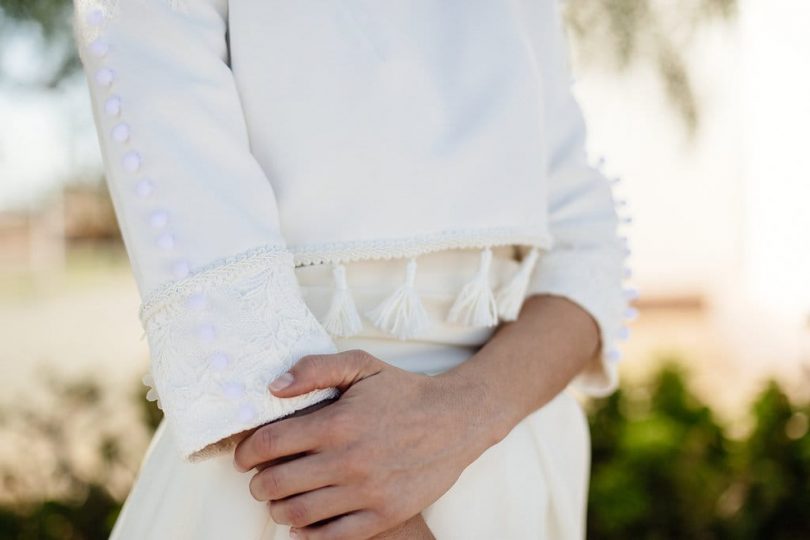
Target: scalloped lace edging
[396, 248]
[216, 273]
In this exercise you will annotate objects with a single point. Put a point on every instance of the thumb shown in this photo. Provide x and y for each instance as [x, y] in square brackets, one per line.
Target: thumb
[319, 371]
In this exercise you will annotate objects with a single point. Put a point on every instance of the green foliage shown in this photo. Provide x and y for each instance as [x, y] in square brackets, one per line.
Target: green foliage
[663, 467]
[50, 15]
[90, 516]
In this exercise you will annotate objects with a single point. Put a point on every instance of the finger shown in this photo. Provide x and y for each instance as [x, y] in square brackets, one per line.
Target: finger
[293, 478]
[312, 507]
[277, 440]
[317, 371]
[353, 526]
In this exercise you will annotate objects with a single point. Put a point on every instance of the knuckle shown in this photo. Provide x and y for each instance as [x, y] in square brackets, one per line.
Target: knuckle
[356, 467]
[388, 516]
[339, 426]
[297, 513]
[266, 441]
[270, 484]
[376, 496]
[360, 356]
[311, 362]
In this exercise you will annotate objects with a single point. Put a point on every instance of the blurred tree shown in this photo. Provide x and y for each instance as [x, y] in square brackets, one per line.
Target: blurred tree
[46, 25]
[617, 33]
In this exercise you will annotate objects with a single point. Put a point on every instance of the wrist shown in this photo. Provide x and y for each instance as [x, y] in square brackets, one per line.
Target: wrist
[477, 406]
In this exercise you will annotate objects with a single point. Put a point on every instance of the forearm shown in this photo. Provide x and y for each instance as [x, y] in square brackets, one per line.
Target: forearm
[521, 368]
[526, 363]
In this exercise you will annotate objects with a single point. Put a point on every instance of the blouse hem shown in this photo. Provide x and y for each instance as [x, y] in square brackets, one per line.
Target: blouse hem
[393, 248]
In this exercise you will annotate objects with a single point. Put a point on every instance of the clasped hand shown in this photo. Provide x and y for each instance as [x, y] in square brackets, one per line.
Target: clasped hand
[392, 444]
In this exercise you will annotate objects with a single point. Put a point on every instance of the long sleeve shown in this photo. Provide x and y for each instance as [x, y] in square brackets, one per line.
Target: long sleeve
[587, 261]
[221, 307]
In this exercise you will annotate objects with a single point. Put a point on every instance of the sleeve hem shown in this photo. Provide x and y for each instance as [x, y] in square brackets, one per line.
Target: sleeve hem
[217, 339]
[593, 282]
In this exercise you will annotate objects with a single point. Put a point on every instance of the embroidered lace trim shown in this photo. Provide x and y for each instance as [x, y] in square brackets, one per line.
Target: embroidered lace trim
[395, 248]
[217, 339]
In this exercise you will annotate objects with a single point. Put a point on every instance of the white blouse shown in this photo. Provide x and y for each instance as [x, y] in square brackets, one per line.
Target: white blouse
[243, 138]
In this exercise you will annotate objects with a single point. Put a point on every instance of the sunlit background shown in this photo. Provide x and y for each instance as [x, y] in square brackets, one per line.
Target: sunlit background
[700, 111]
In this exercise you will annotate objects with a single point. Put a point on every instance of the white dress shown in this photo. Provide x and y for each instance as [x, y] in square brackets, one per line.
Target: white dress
[531, 485]
[280, 169]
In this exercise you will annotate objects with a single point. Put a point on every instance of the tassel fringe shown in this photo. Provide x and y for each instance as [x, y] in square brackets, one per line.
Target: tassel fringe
[342, 319]
[475, 305]
[510, 297]
[402, 314]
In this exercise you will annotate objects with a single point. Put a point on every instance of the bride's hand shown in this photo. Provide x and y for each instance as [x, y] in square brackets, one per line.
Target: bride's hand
[392, 444]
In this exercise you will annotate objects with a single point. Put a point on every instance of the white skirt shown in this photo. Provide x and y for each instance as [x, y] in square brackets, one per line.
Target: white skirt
[531, 485]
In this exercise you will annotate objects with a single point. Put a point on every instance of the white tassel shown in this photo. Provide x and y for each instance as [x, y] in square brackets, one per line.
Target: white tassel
[475, 304]
[342, 319]
[510, 297]
[402, 314]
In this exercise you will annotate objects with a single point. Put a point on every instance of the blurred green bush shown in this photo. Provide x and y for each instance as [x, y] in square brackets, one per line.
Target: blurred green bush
[663, 468]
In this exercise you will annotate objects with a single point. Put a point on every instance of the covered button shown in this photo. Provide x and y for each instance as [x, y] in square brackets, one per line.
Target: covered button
[131, 161]
[181, 269]
[105, 76]
[95, 17]
[219, 361]
[99, 47]
[113, 106]
[120, 133]
[196, 301]
[144, 187]
[247, 412]
[206, 332]
[158, 219]
[233, 389]
[165, 241]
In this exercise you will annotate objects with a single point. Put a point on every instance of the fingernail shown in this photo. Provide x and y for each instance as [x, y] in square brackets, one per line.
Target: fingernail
[294, 533]
[282, 382]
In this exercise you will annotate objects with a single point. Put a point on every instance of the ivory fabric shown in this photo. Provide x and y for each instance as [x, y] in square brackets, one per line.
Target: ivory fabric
[244, 139]
[532, 485]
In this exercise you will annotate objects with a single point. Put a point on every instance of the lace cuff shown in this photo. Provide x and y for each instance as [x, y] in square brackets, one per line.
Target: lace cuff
[218, 337]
